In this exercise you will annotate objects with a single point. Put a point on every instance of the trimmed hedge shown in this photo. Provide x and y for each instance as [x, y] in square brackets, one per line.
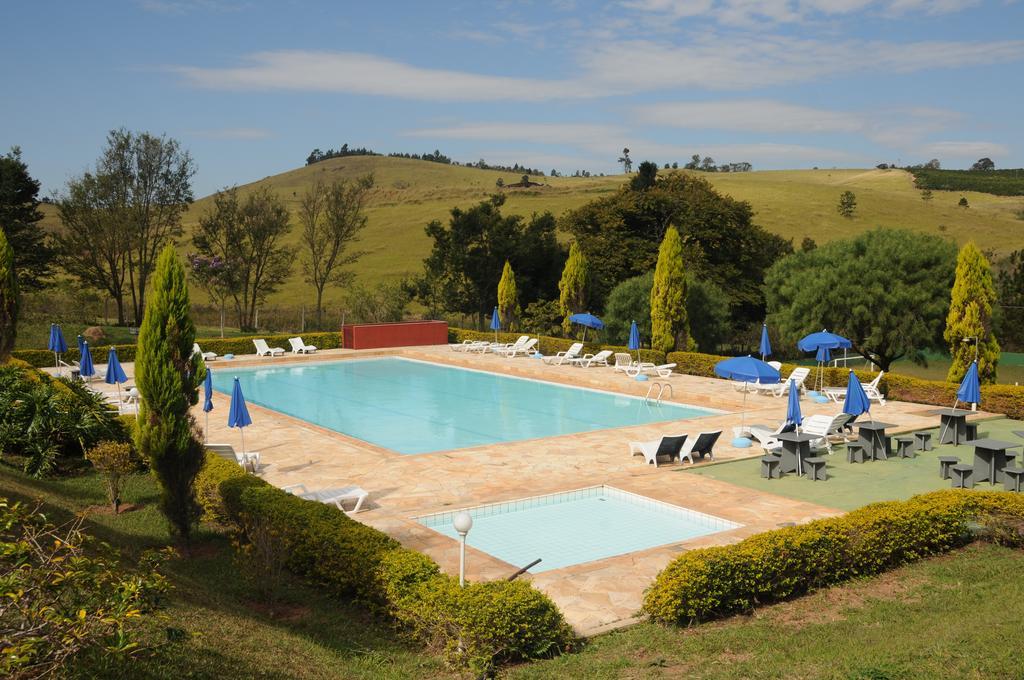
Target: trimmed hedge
[42, 358]
[476, 627]
[550, 345]
[714, 582]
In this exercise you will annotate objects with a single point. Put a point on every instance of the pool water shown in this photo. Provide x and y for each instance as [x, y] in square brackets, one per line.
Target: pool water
[580, 526]
[417, 407]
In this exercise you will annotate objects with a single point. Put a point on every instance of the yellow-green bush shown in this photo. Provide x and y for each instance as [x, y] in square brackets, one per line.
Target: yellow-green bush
[775, 565]
[495, 622]
[214, 471]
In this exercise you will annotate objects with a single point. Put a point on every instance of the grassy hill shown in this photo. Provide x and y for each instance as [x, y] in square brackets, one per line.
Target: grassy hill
[793, 203]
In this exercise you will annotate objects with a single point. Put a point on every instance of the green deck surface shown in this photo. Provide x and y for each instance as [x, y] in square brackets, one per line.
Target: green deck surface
[851, 486]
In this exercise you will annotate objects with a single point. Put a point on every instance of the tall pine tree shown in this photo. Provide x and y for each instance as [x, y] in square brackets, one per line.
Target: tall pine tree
[572, 288]
[969, 321]
[8, 299]
[670, 328]
[508, 298]
[168, 375]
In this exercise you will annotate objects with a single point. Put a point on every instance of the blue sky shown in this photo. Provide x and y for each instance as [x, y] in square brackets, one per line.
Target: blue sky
[251, 87]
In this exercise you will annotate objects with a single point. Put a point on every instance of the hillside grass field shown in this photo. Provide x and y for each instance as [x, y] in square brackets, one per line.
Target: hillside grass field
[792, 203]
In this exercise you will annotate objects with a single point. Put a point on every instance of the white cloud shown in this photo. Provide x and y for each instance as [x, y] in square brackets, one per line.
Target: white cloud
[752, 12]
[187, 6]
[966, 150]
[769, 153]
[231, 133]
[749, 115]
[537, 133]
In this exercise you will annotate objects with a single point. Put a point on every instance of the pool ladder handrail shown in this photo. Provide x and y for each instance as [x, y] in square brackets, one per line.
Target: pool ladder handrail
[661, 392]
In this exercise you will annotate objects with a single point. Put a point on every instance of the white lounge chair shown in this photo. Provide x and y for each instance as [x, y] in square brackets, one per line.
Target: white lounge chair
[623, 361]
[827, 427]
[465, 345]
[333, 496]
[666, 447]
[662, 371]
[300, 347]
[526, 349]
[588, 360]
[250, 460]
[207, 356]
[779, 389]
[838, 394]
[763, 433]
[263, 350]
[566, 356]
[703, 445]
[502, 347]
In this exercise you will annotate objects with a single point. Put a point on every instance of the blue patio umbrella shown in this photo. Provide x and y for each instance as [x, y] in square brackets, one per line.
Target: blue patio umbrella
[238, 414]
[748, 370]
[816, 341]
[823, 356]
[857, 401]
[115, 374]
[634, 340]
[794, 416]
[766, 346]
[207, 402]
[85, 365]
[495, 323]
[970, 386]
[587, 320]
[56, 344]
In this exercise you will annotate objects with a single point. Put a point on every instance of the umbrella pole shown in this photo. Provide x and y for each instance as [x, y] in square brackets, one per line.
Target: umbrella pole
[743, 416]
[206, 430]
[946, 426]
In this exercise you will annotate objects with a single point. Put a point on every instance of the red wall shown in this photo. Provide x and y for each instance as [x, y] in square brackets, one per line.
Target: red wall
[402, 334]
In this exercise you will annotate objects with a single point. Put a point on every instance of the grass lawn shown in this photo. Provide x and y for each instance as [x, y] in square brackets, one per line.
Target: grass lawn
[851, 486]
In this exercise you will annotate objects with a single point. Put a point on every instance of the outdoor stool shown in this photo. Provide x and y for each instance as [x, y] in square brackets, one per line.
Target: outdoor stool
[1012, 478]
[924, 441]
[905, 447]
[972, 431]
[854, 453]
[771, 467]
[815, 469]
[963, 476]
[945, 464]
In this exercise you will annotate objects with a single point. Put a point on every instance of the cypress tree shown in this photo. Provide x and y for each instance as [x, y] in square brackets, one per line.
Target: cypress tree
[168, 375]
[8, 299]
[670, 328]
[970, 317]
[508, 297]
[572, 288]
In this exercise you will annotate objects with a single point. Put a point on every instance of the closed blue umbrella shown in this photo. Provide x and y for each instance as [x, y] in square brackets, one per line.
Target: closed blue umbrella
[823, 356]
[970, 386]
[495, 323]
[115, 374]
[587, 320]
[56, 344]
[857, 401]
[634, 340]
[766, 346]
[86, 369]
[238, 414]
[748, 370]
[795, 417]
[207, 402]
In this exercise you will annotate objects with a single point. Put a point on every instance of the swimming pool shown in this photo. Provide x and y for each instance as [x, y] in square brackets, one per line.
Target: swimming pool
[412, 406]
[574, 527]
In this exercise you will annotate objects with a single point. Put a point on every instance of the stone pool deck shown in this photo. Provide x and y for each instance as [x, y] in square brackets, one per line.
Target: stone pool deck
[594, 596]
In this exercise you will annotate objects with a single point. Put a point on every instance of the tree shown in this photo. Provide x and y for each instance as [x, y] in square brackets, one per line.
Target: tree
[847, 204]
[150, 182]
[670, 328]
[808, 244]
[572, 288]
[465, 262]
[508, 298]
[331, 218]
[627, 162]
[542, 317]
[8, 299]
[169, 374]
[94, 242]
[247, 238]
[499, 183]
[114, 461]
[19, 220]
[926, 195]
[933, 164]
[646, 175]
[963, 202]
[969, 323]
[1010, 287]
[620, 234]
[983, 165]
[629, 301]
[385, 302]
[888, 313]
[694, 163]
[708, 164]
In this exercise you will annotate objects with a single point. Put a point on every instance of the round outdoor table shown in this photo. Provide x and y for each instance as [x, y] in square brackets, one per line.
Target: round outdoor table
[990, 459]
[872, 435]
[795, 447]
[952, 425]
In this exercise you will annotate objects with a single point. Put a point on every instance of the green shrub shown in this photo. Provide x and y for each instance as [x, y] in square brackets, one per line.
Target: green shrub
[114, 461]
[214, 471]
[714, 582]
[495, 622]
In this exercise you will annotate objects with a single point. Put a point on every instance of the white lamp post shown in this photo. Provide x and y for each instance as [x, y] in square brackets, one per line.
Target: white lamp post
[462, 523]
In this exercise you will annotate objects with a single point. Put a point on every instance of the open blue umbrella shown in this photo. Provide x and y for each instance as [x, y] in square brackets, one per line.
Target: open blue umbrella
[748, 370]
[587, 320]
[816, 341]
[207, 402]
[86, 369]
[115, 374]
[495, 323]
[970, 386]
[238, 414]
[766, 346]
[634, 340]
[857, 401]
[56, 344]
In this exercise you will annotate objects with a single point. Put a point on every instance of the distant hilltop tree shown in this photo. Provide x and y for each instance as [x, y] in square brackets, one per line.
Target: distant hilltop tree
[435, 157]
[983, 165]
[523, 183]
[707, 164]
[316, 155]
[627, 162]
[484, 165]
